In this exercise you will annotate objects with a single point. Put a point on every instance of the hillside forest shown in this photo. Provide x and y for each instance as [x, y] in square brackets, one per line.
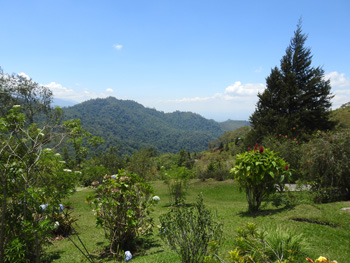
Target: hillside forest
[118, 148]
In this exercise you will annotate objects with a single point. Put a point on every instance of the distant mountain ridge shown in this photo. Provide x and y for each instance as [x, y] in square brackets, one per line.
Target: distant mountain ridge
[130, 126]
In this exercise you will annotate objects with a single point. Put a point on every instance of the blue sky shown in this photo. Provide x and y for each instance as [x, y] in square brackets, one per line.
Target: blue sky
[208, 57]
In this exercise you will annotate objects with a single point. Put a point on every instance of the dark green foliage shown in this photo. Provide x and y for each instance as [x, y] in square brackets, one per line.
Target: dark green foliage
[326, 166]
[296, 95]
[131, 126]
[189, 230]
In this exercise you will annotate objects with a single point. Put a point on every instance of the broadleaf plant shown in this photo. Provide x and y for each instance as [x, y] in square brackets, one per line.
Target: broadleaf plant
[260, 173]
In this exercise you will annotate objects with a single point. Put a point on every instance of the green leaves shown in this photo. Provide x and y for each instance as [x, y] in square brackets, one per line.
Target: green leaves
[258, 171]
[122, 205]
[296, 94]
[189, 231]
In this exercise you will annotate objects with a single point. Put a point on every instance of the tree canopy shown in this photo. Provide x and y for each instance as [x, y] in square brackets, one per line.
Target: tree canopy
[35, 99]
[297, 97]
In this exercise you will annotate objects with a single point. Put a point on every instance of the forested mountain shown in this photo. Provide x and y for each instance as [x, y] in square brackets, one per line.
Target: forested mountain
[130, 126]
[231, 125]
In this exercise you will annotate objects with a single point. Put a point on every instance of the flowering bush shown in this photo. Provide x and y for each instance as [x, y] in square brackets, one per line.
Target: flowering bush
[260, 172]
[32, 184]
[122, 207]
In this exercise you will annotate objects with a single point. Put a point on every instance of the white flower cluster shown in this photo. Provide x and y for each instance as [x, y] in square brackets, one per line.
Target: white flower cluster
[128, 256]
[156, 198]
[44, 206]
[56, 225]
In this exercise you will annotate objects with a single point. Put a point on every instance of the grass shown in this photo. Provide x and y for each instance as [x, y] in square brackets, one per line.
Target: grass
[324, 226]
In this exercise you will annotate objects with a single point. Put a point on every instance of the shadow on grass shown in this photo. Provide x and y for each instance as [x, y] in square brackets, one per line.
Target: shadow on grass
[171, 205]
[141, 248]
[264, 212]
[51, 256]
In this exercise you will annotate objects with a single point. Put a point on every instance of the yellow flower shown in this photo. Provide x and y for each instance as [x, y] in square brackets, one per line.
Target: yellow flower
[321, 259]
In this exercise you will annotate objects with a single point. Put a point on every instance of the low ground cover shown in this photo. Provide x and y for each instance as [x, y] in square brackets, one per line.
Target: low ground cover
[325, 227]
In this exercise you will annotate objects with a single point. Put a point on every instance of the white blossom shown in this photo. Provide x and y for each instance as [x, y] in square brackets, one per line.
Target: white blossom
[128, 256]
[43, 207]
[56, 225]
[156, 198]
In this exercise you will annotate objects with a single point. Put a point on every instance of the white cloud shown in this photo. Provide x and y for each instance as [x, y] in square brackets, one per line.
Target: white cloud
[338, 80]
[246, 89]
[62, 92]
[109, 90]
[24, 75]
[59, 91]
[340, 88]
[237, 102]
[258, 70]
[118, 46]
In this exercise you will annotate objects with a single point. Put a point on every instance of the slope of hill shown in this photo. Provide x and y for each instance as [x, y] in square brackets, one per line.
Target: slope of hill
[130, 126]
[231, 125]
[342, 116]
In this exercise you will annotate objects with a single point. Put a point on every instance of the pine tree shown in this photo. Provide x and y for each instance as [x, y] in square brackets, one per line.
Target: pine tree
[297, 97]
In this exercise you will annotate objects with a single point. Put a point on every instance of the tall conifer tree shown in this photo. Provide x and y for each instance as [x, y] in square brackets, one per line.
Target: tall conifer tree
[297, 97]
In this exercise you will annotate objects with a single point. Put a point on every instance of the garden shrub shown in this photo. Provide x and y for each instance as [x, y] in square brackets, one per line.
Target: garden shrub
[122, 205]
[177, 179]
[217, 170]
[253, 245]
[191, 231]
[261, 173]
[326, 163]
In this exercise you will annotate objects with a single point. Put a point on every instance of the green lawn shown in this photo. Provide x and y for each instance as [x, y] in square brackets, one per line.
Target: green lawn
[325, 227]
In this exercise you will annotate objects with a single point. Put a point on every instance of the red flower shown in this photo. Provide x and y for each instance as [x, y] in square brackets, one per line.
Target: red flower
[286, 168]
[261, 149]
[248, 149]
[256, 146]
